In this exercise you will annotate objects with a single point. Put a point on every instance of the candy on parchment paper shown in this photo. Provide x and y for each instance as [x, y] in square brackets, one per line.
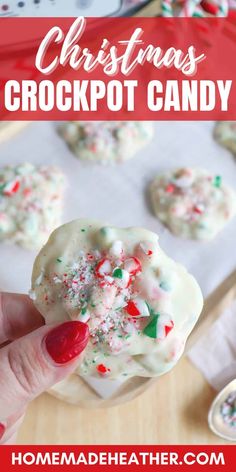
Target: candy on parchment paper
[30, 203]
[192, 203]
[225, 134]
[139, 304]
[106, 141]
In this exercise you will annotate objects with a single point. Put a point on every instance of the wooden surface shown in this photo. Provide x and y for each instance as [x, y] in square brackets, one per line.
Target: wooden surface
[151, 9]
[174, 410]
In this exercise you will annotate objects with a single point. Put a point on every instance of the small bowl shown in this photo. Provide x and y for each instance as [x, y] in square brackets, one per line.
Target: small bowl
[215, 418]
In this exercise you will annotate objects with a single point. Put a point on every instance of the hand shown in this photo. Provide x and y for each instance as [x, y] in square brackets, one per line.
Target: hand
[33, 357]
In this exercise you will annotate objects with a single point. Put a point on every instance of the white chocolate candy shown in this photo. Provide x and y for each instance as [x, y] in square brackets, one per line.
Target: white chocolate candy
[30, 203]
[108, 141]
[192, 203]
[225, 134]
[138, 327]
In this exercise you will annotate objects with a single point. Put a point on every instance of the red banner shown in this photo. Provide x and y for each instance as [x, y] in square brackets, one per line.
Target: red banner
[25, 458]
[117, 68]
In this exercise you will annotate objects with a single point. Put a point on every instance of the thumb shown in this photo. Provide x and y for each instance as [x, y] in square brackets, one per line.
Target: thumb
[35, 362]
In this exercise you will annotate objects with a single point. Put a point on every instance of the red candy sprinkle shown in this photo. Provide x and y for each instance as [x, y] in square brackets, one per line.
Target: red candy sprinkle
[197, 210]
[16, 187]
[13, 189]
[146, 251]
[170, 188]
[131, 309]
[90, 257]
[209, 7]
[133, 265]
[26, 192]
[102, 369]
[105, 283]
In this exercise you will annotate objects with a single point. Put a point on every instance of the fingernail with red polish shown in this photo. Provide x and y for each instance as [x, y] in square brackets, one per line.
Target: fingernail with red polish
[2, 430]
[67, 341]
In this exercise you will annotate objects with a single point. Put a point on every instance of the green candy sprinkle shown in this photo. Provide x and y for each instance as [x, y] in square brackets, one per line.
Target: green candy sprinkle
[2, 186]
[151, 311]
[164, 285]
[83, 311]
[217, 181]
[83, 230]
[103, 231]
[117, 273]
[151, 329]
[202, 226]
[59, 260]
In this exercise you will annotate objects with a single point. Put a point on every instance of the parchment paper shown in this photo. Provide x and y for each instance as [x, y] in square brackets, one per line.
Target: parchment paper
[117, 194]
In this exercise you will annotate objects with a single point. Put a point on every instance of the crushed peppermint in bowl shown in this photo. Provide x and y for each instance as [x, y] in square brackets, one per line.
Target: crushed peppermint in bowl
[192, 203]
[222, 413]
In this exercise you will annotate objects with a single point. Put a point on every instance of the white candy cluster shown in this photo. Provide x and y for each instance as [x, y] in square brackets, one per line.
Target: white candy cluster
[30, 203]
[192, 203]
[139, 304]
[225, 134]
[106, 142]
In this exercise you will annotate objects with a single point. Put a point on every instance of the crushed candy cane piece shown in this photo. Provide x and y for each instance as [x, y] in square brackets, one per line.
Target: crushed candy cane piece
[11, 187]
[137, 308]
[146, 248]
[199, 209]
[103, 268]
[117, 249]
[102, 369]
[122, 277]
[170, 188]
[133, 265]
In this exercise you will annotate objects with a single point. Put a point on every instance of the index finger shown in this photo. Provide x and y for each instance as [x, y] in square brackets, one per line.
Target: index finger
[18, 316]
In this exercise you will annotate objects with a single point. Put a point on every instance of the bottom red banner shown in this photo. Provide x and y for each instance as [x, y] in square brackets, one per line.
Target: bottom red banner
[100, 457]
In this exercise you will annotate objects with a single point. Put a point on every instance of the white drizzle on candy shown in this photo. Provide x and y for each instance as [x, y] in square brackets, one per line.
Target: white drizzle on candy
[192, 203]
[30, 203]
[128, 291]
[106, 141]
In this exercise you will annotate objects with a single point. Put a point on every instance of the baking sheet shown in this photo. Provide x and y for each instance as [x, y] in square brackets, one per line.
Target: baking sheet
[117, 194]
